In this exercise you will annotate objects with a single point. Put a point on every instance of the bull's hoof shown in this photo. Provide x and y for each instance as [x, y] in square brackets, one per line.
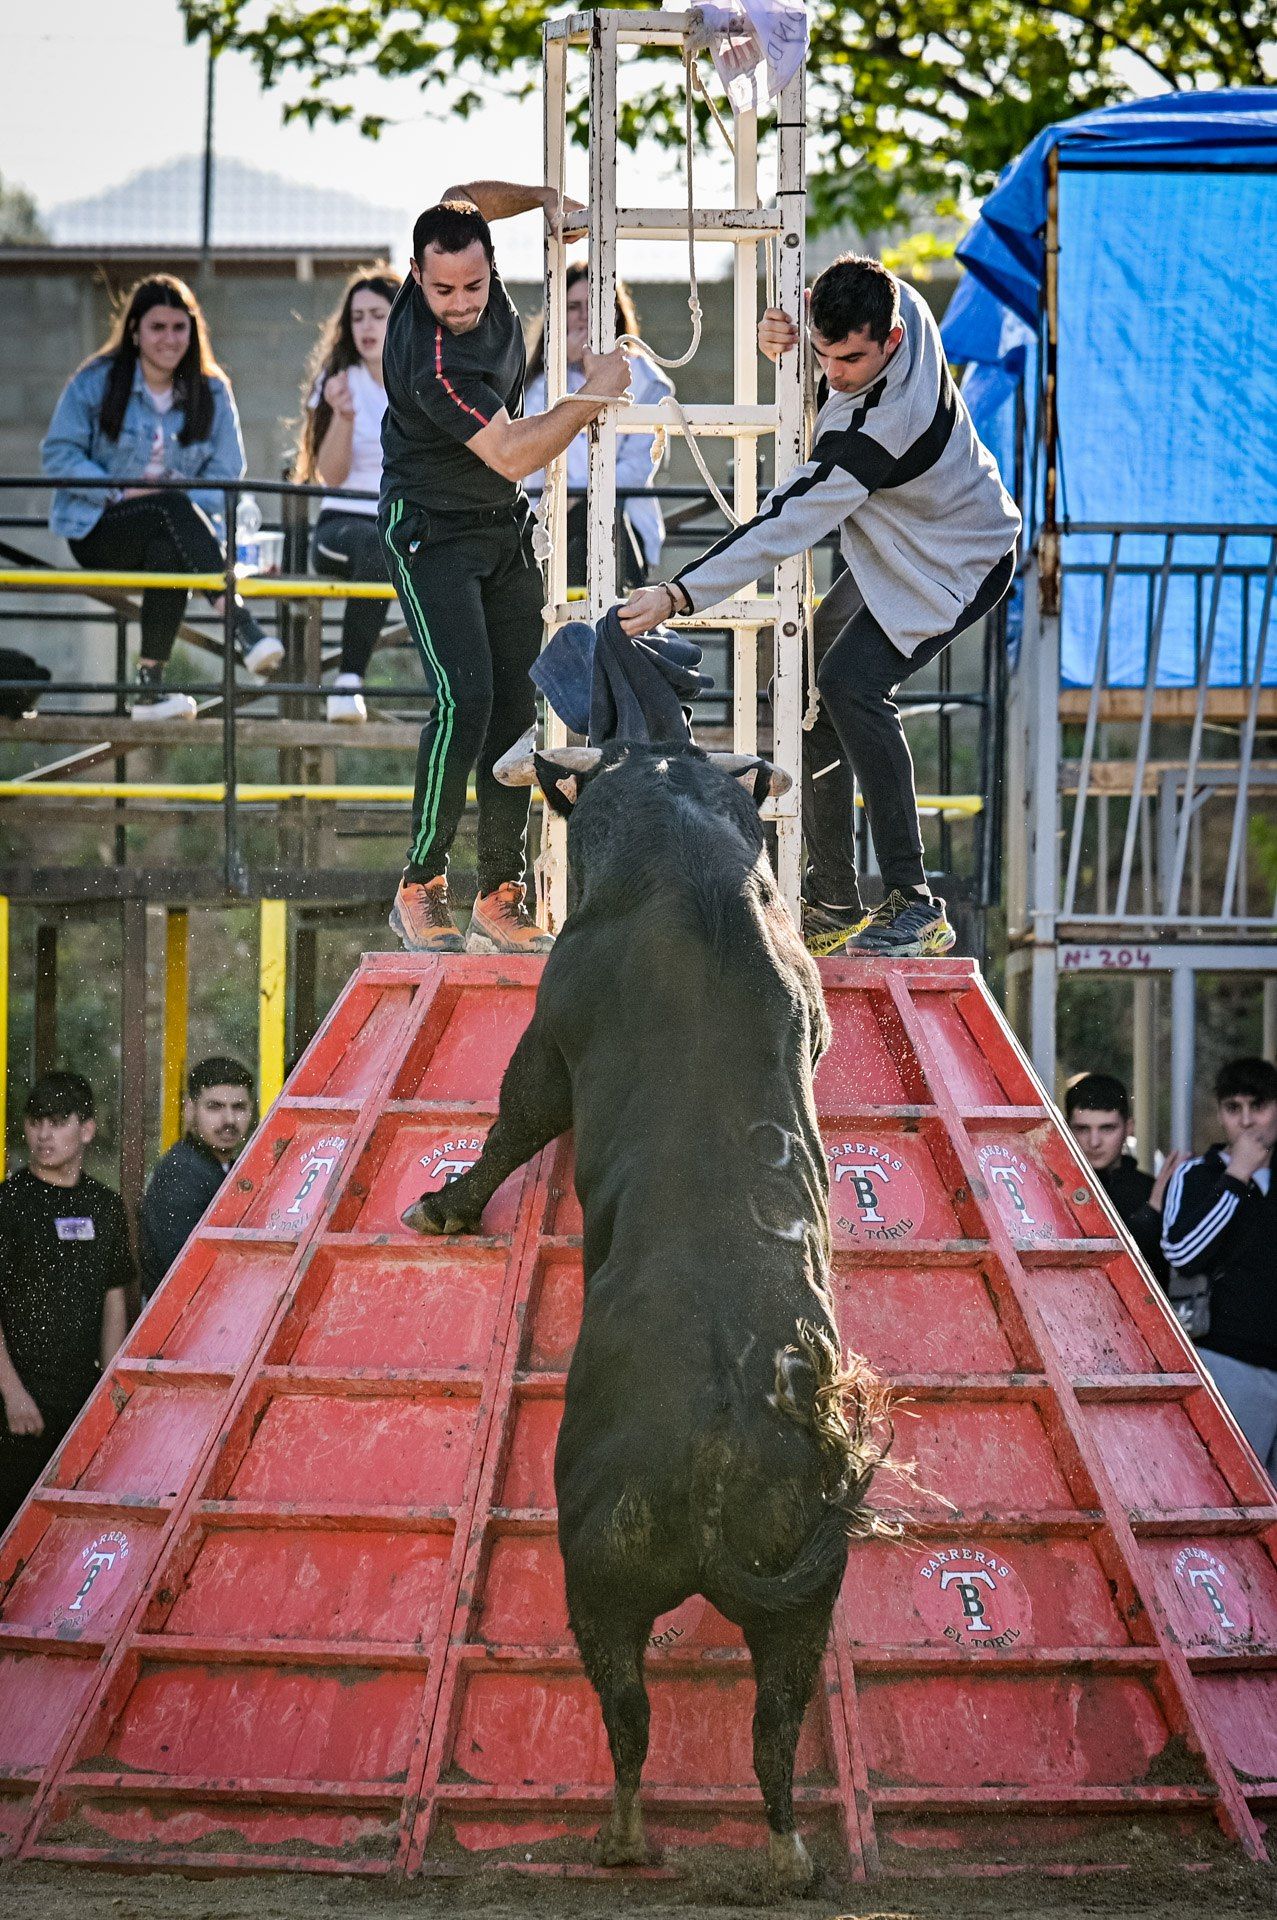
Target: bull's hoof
[621, 1842]
[789, 1861]
[433, 1214]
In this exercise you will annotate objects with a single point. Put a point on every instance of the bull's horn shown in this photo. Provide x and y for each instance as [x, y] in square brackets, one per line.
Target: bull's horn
[517, 768]
[736, 764]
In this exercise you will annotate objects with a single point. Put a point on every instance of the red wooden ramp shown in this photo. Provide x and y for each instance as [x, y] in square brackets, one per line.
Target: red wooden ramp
[290, 1595]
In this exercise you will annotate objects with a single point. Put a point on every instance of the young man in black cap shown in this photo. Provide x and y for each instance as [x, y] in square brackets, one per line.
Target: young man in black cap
[457, 529]
[65, 1264]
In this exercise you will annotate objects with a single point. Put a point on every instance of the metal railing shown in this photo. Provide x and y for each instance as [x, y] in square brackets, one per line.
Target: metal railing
[692, 520]
[1167, 805]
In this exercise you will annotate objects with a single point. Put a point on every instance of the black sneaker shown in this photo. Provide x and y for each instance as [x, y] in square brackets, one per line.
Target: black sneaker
[826, 930]
[905, 927]
[153, 702]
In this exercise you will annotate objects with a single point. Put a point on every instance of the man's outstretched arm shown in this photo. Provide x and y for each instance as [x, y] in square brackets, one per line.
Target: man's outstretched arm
[816, 498]
[503, 199]
[516, 448]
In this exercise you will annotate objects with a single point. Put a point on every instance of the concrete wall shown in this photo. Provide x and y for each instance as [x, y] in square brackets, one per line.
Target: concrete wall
[264, 312]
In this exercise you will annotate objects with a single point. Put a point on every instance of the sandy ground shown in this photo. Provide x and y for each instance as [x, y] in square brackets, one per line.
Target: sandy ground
[60, 1893]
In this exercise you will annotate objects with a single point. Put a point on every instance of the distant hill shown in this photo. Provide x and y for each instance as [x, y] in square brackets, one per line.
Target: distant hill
[160, 206]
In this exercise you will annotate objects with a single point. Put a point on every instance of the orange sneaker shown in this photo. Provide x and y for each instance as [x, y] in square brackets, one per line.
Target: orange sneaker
[422, 920]
[501, 923]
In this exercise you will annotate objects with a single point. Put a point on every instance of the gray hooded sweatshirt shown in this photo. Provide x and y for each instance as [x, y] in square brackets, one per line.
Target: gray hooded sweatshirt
[899, 469]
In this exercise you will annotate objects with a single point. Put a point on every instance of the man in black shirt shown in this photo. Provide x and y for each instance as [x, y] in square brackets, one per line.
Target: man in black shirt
[1098, 1110]
[217, 1116]
[457, 530]
[64, 1266]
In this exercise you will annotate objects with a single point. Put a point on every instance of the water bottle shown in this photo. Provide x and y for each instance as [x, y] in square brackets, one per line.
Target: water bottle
[248, 527]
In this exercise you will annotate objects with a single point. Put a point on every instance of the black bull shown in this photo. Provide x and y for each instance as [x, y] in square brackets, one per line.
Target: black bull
[705, 1445]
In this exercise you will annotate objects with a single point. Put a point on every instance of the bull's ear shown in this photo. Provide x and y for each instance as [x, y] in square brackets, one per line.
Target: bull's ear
[560, 785]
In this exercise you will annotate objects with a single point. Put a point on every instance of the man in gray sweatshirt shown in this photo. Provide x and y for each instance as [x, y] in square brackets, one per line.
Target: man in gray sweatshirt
[928, 532]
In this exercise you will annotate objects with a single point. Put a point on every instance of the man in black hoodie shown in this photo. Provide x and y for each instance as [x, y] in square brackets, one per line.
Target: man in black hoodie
[218, 1115]
[1221, 1220]
[1098, 1110]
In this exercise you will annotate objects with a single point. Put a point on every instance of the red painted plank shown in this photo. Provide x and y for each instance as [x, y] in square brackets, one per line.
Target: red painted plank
[337, 1640]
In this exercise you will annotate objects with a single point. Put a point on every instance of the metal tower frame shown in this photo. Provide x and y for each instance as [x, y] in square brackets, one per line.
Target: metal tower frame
[744, 420]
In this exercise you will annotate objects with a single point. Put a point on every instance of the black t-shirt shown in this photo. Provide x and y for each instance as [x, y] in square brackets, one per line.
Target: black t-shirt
[1128, 1187]
[441, 387]
[61, 1250]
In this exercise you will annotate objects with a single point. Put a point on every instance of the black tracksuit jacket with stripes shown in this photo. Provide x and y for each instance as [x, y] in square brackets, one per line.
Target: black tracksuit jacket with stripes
[1212, 1223]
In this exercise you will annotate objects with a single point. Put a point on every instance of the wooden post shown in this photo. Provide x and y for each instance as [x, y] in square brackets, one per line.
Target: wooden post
[132, 1101]
[44, 1050]
[305, 981]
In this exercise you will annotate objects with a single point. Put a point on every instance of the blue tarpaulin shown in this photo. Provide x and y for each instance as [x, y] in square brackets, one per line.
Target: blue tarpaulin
[1167, 365]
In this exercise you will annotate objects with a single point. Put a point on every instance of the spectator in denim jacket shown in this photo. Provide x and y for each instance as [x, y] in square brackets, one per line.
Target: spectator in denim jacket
[150, 406]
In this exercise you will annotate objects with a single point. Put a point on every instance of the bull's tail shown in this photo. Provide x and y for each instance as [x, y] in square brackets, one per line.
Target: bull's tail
[846, 1408]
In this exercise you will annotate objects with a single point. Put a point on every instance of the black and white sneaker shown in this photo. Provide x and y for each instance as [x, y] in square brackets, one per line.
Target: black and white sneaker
[826, 930]
[260, 652]
[153, 703]
[905, 927]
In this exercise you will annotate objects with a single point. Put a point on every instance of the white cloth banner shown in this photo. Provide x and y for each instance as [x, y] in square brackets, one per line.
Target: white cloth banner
[742, 36]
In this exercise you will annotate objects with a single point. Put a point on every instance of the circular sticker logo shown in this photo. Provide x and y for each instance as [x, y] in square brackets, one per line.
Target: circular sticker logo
[974, 1598]
[1017, 1188]
[95, 1571]
[679, 1624]
[875, 1195]
[439, 1164]
[317, 1163]
[1213, 1595]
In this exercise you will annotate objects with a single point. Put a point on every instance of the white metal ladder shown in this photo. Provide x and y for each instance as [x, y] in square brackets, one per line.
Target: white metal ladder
[742, 421]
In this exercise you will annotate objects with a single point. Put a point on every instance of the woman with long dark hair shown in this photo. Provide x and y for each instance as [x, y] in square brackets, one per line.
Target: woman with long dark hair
[345, 398]
[638, 455]
[152, 405]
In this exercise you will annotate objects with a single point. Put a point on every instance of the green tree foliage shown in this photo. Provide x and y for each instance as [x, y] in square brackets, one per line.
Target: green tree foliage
[917, 102]
[19, 219]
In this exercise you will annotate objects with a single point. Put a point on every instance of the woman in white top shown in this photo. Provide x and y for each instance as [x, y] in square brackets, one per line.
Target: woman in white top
[638, 455]
[341, 446]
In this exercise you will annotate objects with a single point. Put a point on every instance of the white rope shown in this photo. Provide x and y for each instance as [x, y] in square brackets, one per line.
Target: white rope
[693, 299]
[542, 545]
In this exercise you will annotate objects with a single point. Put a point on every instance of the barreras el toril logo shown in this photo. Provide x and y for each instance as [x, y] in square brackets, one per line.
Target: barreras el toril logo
[974, 1598]
[451, 1158]
[875, 1194]
[97, 1570]
[1017, 1187]
[1214, 1595]
[317, 1163]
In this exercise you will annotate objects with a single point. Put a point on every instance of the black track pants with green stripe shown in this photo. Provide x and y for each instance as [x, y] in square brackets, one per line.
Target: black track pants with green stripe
[471, 595]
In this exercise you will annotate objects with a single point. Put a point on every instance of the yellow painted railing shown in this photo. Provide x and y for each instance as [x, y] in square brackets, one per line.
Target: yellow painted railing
[205, 793]
[253, 586]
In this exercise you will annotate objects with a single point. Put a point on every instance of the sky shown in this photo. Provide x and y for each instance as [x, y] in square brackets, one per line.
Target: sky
[92, 91]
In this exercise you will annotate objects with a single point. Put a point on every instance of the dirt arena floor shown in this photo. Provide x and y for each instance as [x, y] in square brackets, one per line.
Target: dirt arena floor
[1173, 1893]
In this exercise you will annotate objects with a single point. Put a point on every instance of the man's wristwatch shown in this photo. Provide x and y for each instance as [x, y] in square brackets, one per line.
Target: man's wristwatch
[679, 602]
